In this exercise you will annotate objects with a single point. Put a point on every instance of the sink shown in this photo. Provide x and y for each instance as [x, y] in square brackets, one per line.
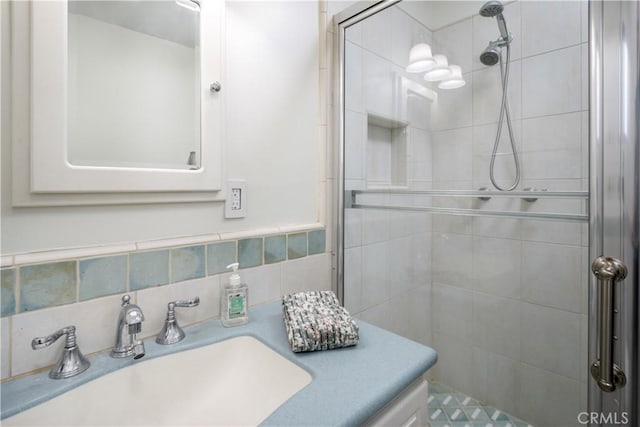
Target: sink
[239, 381]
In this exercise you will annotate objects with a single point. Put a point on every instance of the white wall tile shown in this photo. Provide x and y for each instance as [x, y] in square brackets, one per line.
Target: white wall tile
[353, 280]
[452, 155]
[497, 266]
[454, 365]
[263, 282]
[496, 324]
[557, 164]
[5, 347]
[353, 78]
[375, 226]
[549, 133]
[375, 274]
[379, 315]
[504, 169]
[421, 256]
[550, 25]
[497, 227]
[355, 131]
[551, 275]
[402, 36]
[418, 111]
[420, 154]
[352, 227]
[487, 94]
[486, 30]
[546, 328]
[376, 33]
[551, 83]
[400, 265]
[452, 313]
[496, 380]
[484, 137]
[398, 224]
[453, 259]
[419, 307]
[453, 108]
[455, 42]
[400, 315]
[378, 83]
[548, 399]
[311, 273]
[567, 233]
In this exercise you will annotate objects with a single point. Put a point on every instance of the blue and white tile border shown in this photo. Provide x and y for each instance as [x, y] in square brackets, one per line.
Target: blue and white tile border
[314, 235]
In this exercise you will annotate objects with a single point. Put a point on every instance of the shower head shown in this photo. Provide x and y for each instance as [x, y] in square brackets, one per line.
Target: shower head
[491, 54]
[494, 8]
[491, 8]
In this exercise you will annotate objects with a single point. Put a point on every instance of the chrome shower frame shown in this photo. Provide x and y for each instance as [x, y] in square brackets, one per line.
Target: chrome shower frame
[614, 186]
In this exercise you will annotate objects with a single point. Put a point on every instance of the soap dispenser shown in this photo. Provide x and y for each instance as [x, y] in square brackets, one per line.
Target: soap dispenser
[234, 301]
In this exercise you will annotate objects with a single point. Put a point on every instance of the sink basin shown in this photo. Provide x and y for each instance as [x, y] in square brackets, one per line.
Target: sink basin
[239, 381]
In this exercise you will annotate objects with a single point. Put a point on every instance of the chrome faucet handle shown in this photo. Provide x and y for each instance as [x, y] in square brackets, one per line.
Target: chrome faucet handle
[71, 362]
[171, 332]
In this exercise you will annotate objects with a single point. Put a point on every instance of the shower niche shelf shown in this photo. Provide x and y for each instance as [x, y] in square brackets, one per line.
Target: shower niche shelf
[386, 152]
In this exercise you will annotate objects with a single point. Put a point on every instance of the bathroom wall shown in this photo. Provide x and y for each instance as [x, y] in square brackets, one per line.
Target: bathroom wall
[505, 300]
[71, 265]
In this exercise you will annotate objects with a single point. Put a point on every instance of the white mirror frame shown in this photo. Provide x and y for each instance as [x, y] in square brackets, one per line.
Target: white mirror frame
[50, 172]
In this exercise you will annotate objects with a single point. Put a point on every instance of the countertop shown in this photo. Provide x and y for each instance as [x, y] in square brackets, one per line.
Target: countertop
[349, 384]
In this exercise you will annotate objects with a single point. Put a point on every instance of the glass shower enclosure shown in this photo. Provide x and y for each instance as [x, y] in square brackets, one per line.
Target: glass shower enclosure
[443, 106]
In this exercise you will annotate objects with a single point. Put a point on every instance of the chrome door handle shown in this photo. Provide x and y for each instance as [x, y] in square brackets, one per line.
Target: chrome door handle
[607, 374]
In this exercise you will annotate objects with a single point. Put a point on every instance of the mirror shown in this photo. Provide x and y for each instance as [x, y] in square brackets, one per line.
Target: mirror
[133, 84]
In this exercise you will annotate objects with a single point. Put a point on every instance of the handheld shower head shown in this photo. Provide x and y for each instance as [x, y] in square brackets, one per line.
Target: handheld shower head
[494, 8]
[491, 55]
[491, 8]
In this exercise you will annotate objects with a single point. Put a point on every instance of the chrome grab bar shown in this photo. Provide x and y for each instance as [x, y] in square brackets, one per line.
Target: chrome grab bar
[607, 374]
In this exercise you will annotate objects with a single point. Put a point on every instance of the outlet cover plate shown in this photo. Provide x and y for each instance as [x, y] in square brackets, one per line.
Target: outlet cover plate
[236, 200]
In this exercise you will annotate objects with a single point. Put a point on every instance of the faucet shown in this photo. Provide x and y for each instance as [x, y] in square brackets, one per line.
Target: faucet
[129, 324]
[71, 362]
[171, 332]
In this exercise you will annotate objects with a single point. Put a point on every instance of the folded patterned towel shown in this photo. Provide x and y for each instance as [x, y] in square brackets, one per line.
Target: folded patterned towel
[316, 321]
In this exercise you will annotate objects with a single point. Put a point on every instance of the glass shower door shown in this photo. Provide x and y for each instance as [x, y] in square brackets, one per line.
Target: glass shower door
[495, 281]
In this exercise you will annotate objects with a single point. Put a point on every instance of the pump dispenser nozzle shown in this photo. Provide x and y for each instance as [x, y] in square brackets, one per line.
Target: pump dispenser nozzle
[234, 280]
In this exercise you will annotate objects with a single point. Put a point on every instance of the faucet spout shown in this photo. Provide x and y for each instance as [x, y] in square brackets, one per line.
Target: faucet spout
[129, 325]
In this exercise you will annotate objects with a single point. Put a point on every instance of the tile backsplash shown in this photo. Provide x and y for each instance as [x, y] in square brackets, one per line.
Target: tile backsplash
[42, 297]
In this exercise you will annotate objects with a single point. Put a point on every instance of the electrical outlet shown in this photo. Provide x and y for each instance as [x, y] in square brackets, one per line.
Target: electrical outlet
[236, 199]
[236, 203]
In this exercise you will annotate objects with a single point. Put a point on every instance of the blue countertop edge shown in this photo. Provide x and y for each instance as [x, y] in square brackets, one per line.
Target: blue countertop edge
[349, 384]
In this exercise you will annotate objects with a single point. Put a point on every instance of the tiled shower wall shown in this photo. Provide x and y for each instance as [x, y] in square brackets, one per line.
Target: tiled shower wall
[505, 299]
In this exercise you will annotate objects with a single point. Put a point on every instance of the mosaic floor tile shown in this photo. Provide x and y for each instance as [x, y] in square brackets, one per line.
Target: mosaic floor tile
[449, 408]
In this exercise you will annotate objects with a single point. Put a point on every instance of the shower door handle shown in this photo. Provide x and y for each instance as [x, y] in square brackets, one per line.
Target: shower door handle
[607, 374]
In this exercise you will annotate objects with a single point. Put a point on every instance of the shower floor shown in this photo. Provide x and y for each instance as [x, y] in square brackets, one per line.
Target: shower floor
[450, 408]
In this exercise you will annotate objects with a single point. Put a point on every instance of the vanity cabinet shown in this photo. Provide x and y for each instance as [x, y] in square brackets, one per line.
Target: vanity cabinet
[408, 409]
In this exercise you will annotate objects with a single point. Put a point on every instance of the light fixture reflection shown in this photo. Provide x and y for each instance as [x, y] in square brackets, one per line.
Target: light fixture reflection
[439, 71]
[420, 59]
[189, 4]
[455, 80]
